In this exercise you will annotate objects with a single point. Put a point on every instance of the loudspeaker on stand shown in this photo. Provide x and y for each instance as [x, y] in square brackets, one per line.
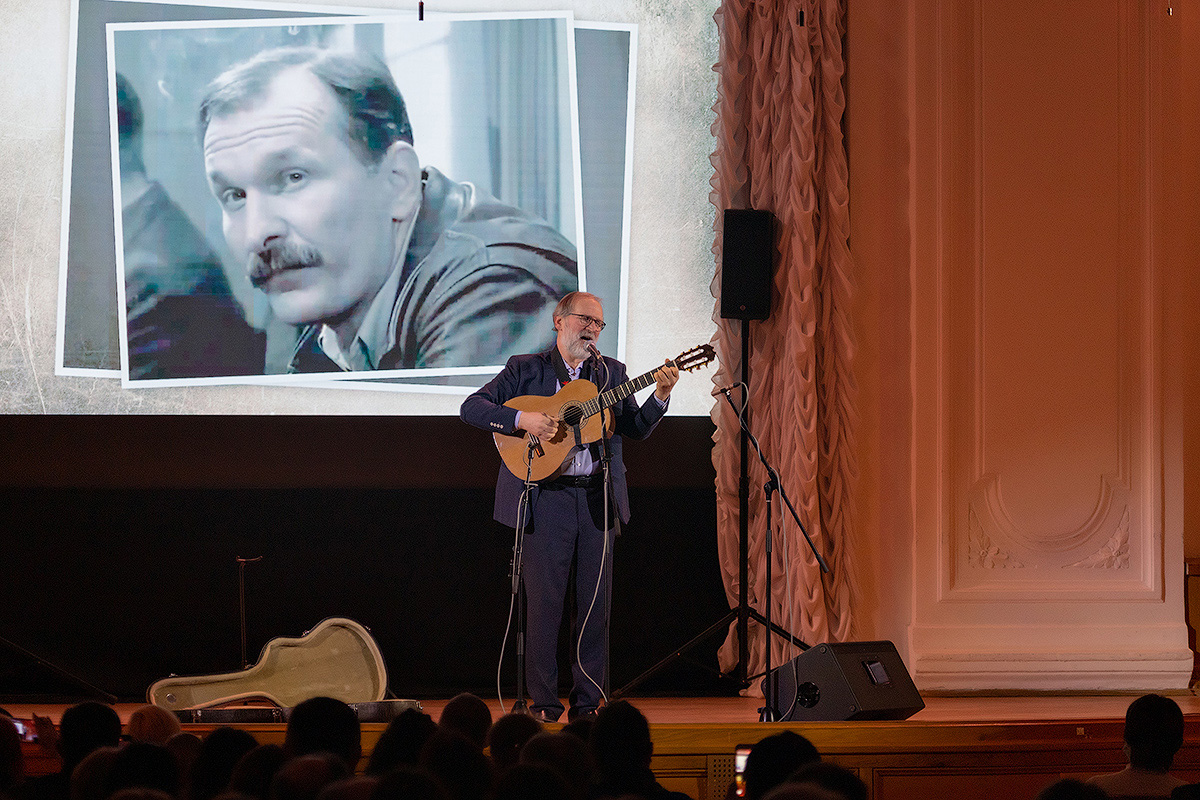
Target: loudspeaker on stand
[747, 256]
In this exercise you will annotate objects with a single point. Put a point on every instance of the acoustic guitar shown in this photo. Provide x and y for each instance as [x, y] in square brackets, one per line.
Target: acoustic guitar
[583, 417]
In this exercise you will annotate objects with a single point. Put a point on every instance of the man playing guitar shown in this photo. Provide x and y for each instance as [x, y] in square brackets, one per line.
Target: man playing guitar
[566, 517]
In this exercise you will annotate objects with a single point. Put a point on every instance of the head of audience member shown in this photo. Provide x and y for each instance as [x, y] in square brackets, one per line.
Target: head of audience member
[1153, 732]
[185, 746]
[461, 767]
[508, 735]
[581, 726]
[140, 793]
[401, 741]
[531, 782]
[468, 715]
[567, 755]
[141, 765]
[219, 753]
[324, 725]
[309, 155]
[12, 763]
[253, 774]
[801, 791]
[354, 787]
[89, 779]
[153, 724]
[409, 782]
[773, 759]
[621, 748]
[1071, 789]
[831, 777]
[85, 727]
[303, 777]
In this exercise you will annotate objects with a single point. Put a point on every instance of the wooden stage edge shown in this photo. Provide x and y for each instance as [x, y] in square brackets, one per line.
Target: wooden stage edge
[971, 746]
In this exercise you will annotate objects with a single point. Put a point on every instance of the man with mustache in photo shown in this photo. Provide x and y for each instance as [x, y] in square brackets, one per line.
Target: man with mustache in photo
[385, 265]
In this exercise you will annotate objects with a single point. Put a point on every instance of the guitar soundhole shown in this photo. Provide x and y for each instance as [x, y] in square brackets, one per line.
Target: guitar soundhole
[572, 414]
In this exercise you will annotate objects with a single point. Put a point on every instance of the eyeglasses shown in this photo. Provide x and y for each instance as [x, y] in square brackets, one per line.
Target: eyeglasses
[589, 321]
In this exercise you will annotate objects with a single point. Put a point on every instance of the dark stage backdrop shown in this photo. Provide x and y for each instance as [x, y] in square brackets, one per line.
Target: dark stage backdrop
[119, 560]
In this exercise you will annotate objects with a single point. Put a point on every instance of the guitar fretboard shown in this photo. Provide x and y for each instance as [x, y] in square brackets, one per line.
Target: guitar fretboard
[617, 394]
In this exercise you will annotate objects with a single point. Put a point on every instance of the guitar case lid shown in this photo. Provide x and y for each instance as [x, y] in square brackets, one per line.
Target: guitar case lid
[338, 658]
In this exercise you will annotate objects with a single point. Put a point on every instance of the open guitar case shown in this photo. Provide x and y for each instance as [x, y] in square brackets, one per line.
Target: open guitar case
[338, 658]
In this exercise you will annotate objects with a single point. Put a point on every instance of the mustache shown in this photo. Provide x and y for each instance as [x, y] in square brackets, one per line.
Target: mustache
[268, 262]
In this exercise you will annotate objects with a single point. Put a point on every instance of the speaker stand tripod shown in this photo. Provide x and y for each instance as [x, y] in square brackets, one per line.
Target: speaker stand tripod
[744, 611]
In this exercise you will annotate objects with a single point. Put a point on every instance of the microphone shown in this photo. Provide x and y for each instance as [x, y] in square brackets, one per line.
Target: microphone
[725, 390]
[592, 349]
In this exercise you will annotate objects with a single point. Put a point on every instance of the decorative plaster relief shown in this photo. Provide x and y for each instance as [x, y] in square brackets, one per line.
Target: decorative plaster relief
[983, 553]
[1101, 540]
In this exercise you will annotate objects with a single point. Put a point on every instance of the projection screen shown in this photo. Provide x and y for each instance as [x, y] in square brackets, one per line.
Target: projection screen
[530, 111]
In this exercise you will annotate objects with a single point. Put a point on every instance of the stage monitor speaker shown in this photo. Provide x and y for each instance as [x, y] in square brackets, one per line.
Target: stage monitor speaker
[845, 681]
[747, 255]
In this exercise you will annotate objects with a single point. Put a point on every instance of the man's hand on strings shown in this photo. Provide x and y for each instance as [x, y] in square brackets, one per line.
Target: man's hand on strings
[540, 425]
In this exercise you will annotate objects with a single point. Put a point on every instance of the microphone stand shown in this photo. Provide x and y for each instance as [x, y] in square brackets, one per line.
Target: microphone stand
[770, 686]
[605, 463]
[520, 705]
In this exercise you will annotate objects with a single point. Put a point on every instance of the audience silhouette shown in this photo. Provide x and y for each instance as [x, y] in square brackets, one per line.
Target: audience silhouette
[507, 736]
[84, 727]
[773, 759]
[468, 715]
[324, 725]
[1071, 789]
[215, 762]
[621, 748]
[465, 756]
[401, 742]
[254, 772]
[829, 776]
[12, 764]
[150, 723]
[1153, 735]
[566, 755]
[141, 765]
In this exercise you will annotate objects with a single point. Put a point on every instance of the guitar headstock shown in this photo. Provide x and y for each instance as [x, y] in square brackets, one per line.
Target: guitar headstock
[695, 358]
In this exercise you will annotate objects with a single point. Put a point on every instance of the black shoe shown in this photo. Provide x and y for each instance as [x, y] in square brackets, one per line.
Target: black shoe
[577, 713]
[544, 716]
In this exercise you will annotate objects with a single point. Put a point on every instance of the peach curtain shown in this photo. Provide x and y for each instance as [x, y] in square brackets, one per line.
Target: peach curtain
[779, 147]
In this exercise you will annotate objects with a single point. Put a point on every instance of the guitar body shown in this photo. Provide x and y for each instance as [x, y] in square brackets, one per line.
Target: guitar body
[577, 406]
[338, 659]
[565, 405]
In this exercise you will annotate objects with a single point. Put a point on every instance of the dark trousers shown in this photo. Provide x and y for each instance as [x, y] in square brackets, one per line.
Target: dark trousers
[566, 530]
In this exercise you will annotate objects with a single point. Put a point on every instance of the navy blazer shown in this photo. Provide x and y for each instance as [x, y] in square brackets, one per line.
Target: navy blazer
[534, 374]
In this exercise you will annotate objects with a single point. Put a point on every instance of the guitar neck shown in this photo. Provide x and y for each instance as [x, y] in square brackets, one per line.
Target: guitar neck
[617, 393]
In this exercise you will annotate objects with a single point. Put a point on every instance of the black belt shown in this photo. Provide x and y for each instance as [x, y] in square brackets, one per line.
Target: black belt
[575, 481]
